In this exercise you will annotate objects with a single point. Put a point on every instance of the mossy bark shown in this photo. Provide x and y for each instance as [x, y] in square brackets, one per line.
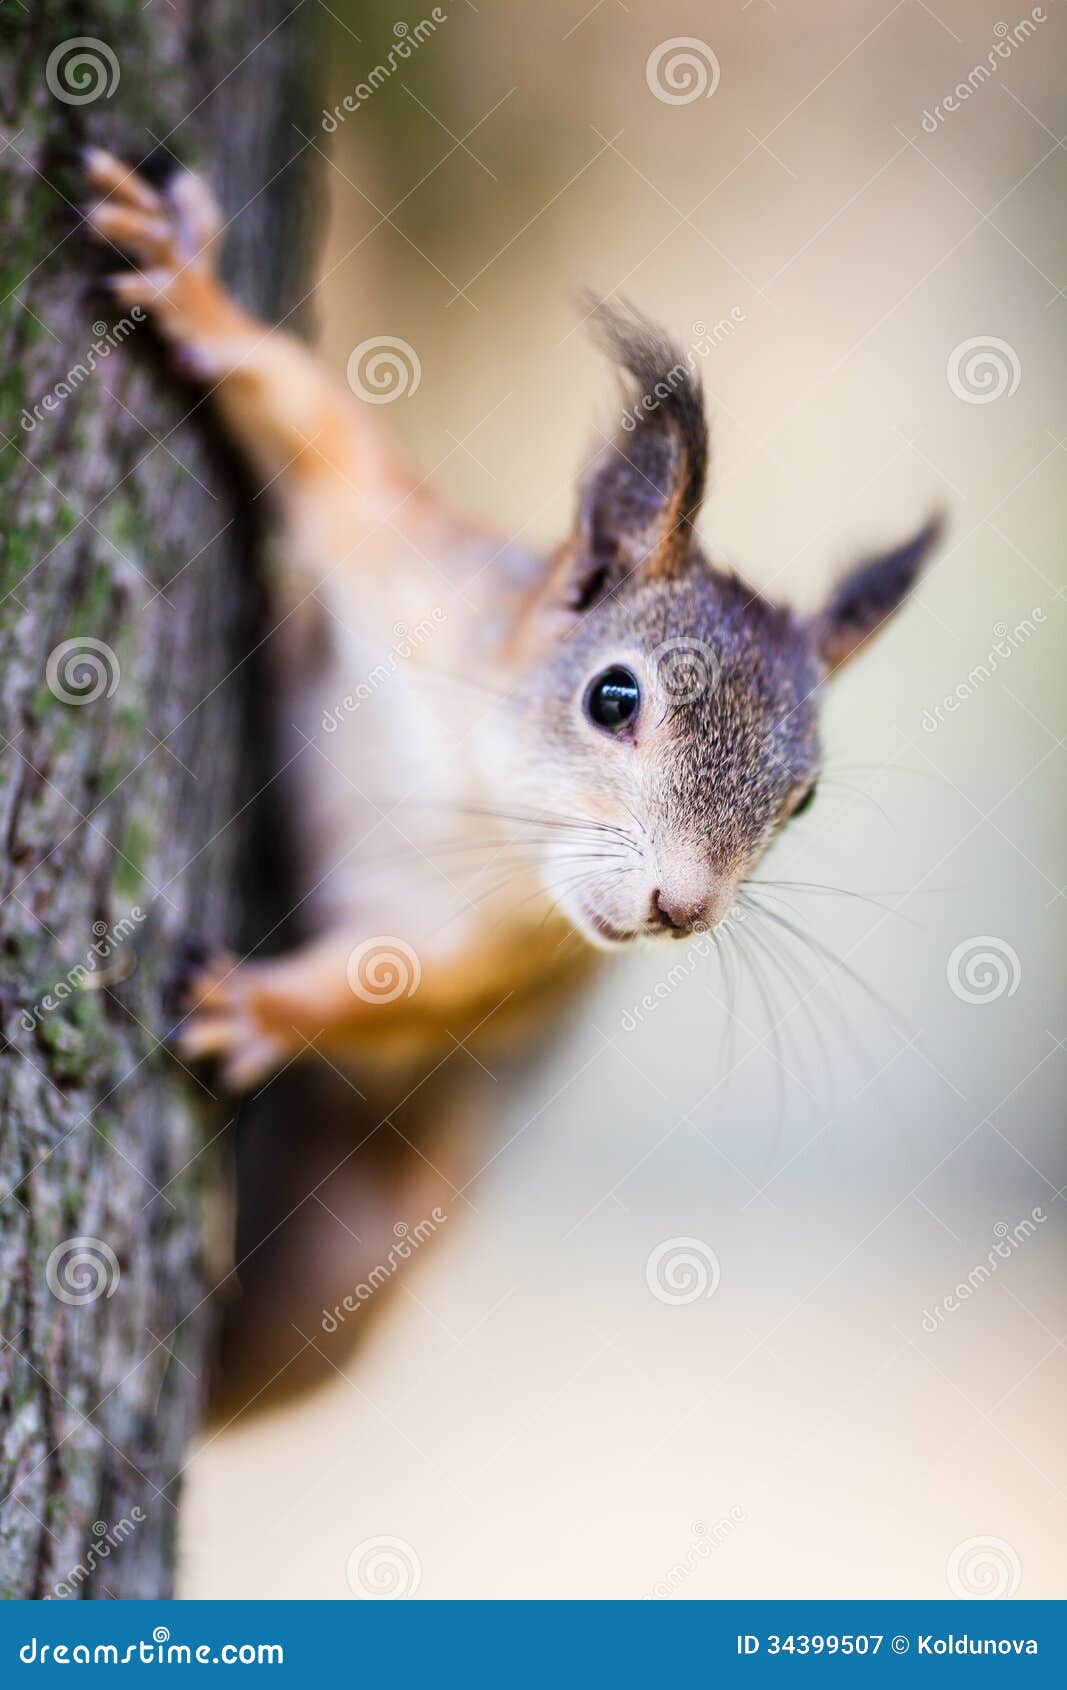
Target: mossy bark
[122, 538]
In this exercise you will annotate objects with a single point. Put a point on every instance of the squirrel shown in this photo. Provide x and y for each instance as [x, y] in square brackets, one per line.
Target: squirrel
[504, 764]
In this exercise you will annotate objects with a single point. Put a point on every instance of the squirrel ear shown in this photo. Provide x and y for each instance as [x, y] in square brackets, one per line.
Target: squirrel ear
[870, 593]
[642, 492]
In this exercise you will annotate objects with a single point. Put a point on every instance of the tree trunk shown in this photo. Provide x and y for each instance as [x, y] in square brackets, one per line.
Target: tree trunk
[127, 739]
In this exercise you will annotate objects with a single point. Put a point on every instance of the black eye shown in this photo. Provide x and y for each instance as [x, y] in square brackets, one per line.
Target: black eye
[806, 802]
[612, 699]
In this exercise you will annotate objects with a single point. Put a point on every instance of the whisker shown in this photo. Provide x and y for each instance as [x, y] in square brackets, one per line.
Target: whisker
[815, 887]
[801, 987]
[834, 960]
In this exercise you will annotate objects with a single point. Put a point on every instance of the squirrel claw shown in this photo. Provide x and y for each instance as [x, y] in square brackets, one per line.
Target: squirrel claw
[168, 231]
[222, 1023]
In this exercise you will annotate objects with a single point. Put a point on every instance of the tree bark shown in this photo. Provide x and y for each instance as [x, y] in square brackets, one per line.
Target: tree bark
[128, 727]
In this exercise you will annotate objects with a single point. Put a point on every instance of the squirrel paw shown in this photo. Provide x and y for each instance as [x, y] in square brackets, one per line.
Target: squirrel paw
[167, 233]
[225, 1021]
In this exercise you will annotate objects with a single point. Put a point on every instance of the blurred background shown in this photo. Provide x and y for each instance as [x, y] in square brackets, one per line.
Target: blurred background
[763, 1299]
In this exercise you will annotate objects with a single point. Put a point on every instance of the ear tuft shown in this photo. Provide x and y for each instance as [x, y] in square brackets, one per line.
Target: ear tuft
[871, 593]
[644, 489]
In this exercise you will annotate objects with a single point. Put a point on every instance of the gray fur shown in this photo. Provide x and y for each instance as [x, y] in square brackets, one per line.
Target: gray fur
[711, 771]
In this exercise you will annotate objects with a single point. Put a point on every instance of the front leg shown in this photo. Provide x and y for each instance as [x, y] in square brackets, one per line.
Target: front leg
[300, 428]
[368, 1000]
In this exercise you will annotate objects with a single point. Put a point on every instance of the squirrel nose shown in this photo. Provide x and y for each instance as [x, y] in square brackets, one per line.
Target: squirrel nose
[676, 913]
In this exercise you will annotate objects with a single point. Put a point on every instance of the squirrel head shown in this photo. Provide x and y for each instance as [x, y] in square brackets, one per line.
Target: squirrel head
[667, 708]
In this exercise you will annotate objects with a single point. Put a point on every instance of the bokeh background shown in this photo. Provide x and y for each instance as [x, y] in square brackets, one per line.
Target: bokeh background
[532, 1420]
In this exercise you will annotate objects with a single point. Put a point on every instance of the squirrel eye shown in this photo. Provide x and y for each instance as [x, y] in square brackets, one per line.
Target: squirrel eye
[612, 699]
[806, 802]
